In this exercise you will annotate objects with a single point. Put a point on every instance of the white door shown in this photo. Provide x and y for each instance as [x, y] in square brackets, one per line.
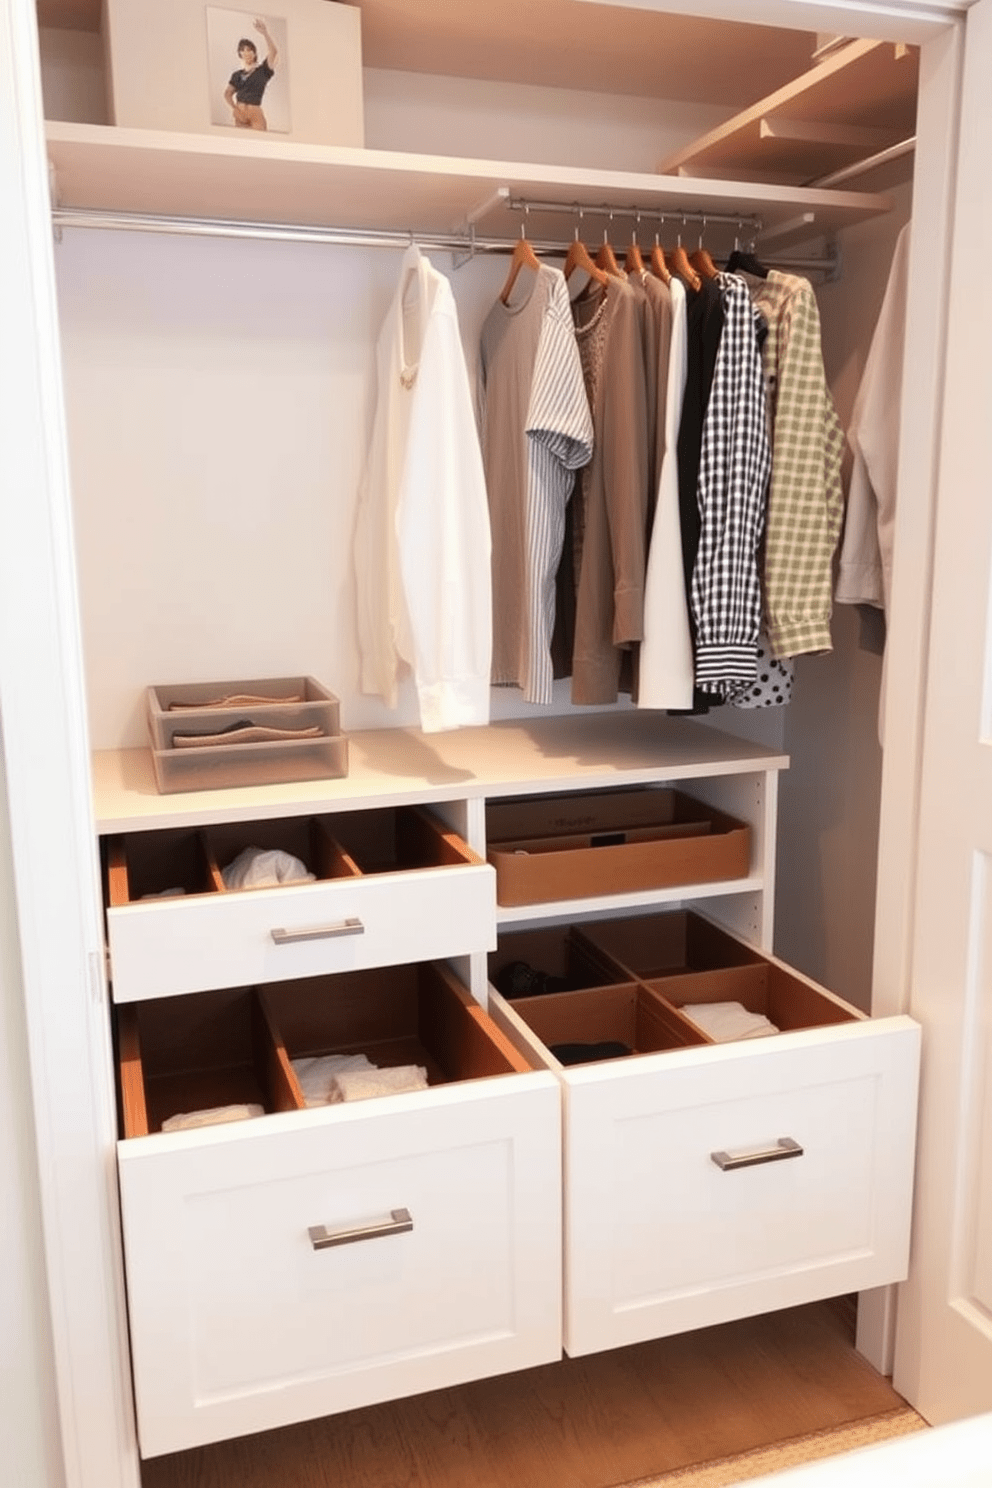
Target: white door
[944, 1331]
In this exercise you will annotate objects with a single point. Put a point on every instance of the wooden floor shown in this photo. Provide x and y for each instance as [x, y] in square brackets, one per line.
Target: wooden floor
[580, 1423]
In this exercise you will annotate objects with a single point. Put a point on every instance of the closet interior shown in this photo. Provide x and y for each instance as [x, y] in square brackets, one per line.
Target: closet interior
[220, 300]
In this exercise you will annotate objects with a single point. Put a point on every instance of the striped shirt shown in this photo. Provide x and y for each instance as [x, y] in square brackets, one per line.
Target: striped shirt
[734, 465]
[805, 502]
[536, 432]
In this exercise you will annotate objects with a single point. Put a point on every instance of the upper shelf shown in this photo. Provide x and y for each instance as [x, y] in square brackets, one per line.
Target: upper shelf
[855, 103]
[102, 168]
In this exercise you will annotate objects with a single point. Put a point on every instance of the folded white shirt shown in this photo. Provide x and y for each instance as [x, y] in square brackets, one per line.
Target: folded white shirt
[726, 1021]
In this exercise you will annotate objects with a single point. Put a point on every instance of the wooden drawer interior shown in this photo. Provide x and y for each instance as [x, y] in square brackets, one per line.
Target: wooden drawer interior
[306, 838]
[783, 998]
[590, 1022]
[143, 864]
[662, 945]
[400, 1015]
[185, 1054]
[395, 839]
[553, 959]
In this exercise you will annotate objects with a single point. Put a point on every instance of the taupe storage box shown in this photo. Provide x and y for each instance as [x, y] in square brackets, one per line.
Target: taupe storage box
[615, 842]
[202, 711]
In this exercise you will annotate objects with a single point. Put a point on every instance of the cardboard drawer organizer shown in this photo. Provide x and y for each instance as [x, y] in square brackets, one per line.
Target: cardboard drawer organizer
[216, 735]
[614, 842]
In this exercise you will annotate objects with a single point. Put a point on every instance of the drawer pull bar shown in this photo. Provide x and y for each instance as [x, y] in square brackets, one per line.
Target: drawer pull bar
[321, 1238]
[784, 1147]
[318, 932]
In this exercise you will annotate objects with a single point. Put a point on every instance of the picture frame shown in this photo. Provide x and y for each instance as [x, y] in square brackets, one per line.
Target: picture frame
[170, 66]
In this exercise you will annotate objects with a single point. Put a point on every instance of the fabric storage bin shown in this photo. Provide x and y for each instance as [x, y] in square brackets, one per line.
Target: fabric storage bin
[183, 1055]
[611, 842]
[206, 711]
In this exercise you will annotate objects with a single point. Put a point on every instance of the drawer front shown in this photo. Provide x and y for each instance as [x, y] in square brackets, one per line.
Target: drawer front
[159, 949]
[241, 1320]
[661, 1238]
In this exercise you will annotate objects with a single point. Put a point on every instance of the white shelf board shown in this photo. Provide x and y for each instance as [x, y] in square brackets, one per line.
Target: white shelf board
[101, 168]
[389, 767]
[569, 910]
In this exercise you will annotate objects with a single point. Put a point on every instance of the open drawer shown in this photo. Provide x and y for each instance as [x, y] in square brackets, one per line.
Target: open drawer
[720, 1179]
[309, 1262]
[390, 885]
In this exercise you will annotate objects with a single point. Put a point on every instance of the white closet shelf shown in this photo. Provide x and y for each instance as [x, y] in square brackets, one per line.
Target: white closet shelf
[390, 767]
[103, 168]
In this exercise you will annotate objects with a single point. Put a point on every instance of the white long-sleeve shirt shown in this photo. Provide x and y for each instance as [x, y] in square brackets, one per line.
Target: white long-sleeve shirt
[865, 572]
[422, 538]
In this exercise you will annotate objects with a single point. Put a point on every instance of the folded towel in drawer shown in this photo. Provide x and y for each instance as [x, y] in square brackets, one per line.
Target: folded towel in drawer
[213, 1116]
[352, 1085]
[726, 1021]
[316, 1074]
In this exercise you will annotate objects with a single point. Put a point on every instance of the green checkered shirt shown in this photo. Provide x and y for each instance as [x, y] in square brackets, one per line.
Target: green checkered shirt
[805, 499]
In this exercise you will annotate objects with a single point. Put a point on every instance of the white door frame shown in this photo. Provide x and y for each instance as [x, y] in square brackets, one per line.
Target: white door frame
[45, 736]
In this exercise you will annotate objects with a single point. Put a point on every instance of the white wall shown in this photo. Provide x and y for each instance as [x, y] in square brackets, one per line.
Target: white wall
[29, 1428]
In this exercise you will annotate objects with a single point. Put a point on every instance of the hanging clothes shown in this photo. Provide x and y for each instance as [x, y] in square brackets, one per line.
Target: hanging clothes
[422, 540]
[734, 466]
[865, 572]
[537, 432]
[666, 664]
[805, 501]
[605, 548]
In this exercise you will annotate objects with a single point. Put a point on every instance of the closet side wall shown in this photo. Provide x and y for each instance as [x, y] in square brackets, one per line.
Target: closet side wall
[829, 803]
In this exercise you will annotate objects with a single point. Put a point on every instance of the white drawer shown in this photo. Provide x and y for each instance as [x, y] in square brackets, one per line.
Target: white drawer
[659, 1238]
[355, 915]
[241, 1320]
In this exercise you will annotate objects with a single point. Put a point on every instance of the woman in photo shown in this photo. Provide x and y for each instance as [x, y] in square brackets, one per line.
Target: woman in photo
[247, 85]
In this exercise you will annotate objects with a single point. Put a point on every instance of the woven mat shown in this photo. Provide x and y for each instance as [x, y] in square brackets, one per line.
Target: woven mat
[801, 1449]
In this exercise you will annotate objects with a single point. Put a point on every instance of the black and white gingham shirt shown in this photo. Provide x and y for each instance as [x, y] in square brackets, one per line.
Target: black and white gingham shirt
[734, 468]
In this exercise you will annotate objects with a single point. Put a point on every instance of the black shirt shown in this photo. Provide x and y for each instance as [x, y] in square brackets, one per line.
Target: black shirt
[249, 86]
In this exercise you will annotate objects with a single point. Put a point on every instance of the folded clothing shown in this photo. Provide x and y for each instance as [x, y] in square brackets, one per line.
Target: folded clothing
[244, 732]
[316, 1074]
[726, 1021]
[233, 700]
[355, 1085]
[260, 868]
[213, 1116]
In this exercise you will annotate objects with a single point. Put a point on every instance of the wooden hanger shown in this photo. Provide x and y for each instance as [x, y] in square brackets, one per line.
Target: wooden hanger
[678, 263]
[606, 258]
[659, 266]
[578, 257]
[634, 263]
[703, 263]
[523, 257]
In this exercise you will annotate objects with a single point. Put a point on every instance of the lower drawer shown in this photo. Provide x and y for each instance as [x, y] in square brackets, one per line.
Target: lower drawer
[309, 1262]
[708, 1181]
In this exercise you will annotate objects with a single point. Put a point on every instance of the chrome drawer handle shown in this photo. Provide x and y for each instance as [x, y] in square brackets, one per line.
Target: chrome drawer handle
[321, 1238]
[318, 932]
[784, 1147]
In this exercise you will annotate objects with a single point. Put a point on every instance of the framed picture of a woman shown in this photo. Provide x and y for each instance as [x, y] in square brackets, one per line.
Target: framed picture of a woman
[248, 70]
